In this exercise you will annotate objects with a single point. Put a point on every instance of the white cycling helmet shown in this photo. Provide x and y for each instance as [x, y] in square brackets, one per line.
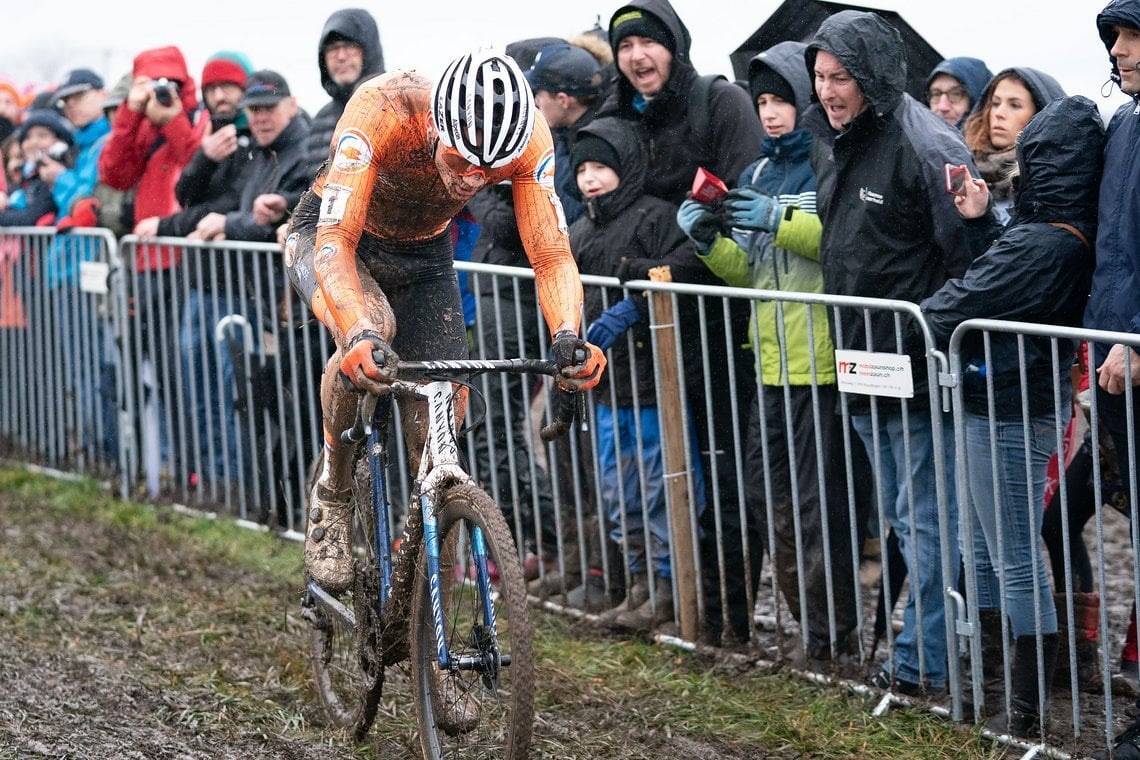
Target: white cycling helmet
[483, 107]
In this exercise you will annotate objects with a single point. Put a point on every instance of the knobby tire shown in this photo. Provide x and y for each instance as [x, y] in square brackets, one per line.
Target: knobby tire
[505, 702]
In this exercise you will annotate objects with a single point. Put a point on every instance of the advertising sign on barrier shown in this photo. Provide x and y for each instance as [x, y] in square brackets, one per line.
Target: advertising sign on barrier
[93, 277]
[874, 374]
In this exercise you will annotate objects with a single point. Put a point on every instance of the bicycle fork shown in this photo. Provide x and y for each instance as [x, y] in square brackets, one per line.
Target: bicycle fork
[488, 660]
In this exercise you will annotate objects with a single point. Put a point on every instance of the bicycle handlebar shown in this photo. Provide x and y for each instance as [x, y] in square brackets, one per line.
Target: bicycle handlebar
[567, 404]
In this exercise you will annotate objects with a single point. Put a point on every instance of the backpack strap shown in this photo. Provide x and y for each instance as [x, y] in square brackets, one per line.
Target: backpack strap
[699, 94]
[1074, 230]
[759, 168]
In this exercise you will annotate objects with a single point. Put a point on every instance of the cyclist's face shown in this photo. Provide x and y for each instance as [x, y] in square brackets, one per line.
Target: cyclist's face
[645, 62]
[461, 178]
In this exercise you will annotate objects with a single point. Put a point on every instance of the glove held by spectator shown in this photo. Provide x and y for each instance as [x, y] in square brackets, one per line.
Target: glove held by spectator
[611, 323]
[698, 222]
[752, 209]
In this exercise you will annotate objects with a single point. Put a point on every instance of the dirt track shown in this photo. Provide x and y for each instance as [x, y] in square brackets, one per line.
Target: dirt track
[124, 639]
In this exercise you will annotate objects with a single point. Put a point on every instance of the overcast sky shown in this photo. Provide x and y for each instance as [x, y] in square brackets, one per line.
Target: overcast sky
[43, 42]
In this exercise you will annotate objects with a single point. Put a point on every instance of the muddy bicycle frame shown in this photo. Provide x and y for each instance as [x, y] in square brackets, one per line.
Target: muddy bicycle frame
[439, 468]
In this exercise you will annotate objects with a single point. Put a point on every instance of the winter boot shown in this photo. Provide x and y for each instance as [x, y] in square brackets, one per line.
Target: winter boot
[1023, 720]
[1086, 627]
[591, 595]
[993, 656]
[328, 538]
[636, 595]
[650, 613]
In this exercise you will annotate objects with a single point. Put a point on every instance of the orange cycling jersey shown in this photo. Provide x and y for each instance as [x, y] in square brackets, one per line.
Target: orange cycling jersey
[382, 180]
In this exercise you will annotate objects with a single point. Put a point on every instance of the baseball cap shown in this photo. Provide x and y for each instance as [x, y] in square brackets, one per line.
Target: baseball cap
[565, 68]
[79, 80]
[264, 88]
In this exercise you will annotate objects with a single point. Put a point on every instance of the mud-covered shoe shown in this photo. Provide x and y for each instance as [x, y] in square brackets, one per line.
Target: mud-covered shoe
[456, 712]
[650, 613]
[328, 539]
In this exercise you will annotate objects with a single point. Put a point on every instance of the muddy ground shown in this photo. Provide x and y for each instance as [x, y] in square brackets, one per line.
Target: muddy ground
[1078, 734]
[122, 640]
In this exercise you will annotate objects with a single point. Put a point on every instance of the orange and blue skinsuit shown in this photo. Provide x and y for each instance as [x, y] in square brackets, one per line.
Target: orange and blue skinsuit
[369, 243]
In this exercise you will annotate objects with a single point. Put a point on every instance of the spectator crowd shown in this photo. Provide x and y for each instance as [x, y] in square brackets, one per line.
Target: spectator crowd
[833, 180]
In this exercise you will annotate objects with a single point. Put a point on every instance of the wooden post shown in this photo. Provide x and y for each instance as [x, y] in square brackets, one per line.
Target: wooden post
[673, 444]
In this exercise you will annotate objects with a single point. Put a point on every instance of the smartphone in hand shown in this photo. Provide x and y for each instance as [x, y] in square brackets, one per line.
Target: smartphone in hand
[956, 179]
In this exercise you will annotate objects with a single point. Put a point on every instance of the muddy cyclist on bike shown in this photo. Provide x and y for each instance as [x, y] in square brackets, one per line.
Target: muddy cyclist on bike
[369, 249]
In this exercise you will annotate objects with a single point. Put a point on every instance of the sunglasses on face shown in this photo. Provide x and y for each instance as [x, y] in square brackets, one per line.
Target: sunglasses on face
[455, 161]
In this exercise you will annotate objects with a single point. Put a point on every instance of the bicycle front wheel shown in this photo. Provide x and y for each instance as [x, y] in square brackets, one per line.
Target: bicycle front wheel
[344, 644]
[484, 705]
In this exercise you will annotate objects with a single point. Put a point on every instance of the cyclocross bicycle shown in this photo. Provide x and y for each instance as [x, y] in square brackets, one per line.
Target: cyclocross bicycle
[451, 597]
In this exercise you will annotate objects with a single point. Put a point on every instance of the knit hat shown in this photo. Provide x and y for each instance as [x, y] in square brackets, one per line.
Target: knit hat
[589, 147]
[49, 118]
[12, 90]
[765, 80]
[565, 68]
[643, 24]
[226, 66]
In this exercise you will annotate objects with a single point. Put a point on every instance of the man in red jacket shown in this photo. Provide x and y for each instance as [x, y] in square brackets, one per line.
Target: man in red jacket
[154, 134]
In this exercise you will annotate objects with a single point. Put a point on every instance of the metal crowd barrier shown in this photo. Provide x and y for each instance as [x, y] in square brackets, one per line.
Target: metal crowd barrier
[62, 390]
[190, 371]
[1093, 482]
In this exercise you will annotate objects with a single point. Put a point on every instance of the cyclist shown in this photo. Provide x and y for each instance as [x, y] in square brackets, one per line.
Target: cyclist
[369, 248]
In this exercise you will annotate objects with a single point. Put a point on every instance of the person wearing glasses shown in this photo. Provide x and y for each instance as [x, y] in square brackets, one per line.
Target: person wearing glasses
[953, 87]
[369, 249]
[1007, 104]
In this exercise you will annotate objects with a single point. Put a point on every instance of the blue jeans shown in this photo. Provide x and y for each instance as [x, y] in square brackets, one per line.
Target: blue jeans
[1021, 513]
[208, 378]
[920, 650]
[621, 469]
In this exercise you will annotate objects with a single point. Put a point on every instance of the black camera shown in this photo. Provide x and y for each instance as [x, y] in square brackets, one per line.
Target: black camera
[219, 120]
[165, 90]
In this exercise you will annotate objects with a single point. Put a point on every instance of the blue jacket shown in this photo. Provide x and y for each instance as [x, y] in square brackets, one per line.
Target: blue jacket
[1114, 302]
[79, 181]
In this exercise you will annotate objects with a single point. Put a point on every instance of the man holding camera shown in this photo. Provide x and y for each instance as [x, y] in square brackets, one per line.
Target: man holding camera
[156, 132]
[210, 182]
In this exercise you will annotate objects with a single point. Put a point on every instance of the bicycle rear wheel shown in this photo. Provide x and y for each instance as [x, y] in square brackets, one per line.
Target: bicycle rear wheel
[344, 645]
[485, 707]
